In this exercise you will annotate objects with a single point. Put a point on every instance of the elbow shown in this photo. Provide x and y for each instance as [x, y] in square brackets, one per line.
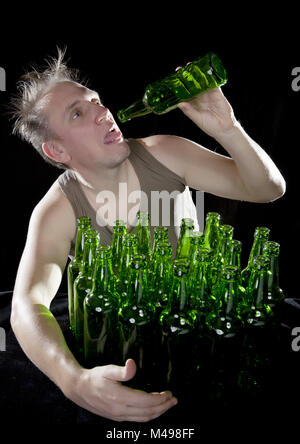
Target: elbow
[272, 192]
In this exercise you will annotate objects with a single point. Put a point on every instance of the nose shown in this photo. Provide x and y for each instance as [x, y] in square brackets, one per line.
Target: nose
[101, 114]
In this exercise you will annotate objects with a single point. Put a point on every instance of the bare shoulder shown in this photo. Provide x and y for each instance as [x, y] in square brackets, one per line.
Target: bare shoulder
[167, 149]
[54, 213]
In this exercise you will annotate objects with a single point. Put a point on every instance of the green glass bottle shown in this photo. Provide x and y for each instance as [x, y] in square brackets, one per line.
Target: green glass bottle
[275, 294]
[227, 320]
[200, 285]
[128, 251]
[83, 224]
[162, 275]
[100, 307]
[119, 230]
[203, 74]
[178, 322]
[83, 282]
[142, 231]
[255, 363]
[259, 311]
[211, 231]
[225, 234]
[183, 250]
[261, 235]
[161, 234]
[136, 317]
[233, 253]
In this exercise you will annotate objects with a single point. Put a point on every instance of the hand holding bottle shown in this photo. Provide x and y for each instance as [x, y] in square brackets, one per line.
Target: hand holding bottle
[100, 391]
[211, 112]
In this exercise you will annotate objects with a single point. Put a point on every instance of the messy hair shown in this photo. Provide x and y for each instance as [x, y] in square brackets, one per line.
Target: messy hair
[30, 121]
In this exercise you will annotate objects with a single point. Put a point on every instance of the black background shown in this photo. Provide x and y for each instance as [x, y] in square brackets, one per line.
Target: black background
[120, 50]
[120, 55]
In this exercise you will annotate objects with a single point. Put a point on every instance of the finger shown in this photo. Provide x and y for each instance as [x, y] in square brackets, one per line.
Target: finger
[119, 373]
[138, 398]
[145, 414]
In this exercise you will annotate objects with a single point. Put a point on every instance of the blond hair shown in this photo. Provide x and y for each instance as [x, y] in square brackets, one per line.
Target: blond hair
[30, 120]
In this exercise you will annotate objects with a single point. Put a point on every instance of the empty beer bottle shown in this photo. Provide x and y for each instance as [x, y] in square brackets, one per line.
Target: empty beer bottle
[137, 329]
[225, 234]
[275, 293]
[178, 321]
[161, 278]
[101, 305]
[211, 231]
[128, 251]
[83, 224]
[83, 282]
[261, 235]
[200, 285]
[119, 230]
[183, 250]
[227, 318]
[203, 74]
[142, 231]
[161, 234]
[259, 310]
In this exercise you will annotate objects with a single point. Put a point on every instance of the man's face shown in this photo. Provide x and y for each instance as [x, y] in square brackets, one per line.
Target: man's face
[86, 129]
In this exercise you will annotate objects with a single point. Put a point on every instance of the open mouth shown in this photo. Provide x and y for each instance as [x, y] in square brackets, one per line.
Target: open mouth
[113, 135]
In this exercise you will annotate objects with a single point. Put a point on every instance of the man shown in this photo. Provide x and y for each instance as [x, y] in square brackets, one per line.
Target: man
[70, 127]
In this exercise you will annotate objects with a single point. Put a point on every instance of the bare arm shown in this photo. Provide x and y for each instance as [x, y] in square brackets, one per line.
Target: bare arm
[39, 275]
[248, 174]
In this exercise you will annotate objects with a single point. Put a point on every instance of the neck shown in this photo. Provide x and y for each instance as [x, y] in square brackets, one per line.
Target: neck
[99, 178]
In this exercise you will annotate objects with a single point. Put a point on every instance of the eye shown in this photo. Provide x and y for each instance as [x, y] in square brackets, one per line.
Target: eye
[75, 115]
[96, 101]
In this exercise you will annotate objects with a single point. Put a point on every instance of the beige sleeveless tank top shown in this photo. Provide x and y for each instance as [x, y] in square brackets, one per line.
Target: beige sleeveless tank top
[153, 177]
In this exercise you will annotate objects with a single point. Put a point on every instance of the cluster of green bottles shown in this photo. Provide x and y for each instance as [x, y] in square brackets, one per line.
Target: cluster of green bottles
[197, 77]
[174, 316]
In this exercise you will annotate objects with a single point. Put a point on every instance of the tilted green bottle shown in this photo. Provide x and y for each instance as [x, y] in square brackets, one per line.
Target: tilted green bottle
[183, 250]
[211, 231]
[101, 305]
[197, 77]
[119, 230]
[261, 235]
[83, 224]
[136, 317]
[275, 293]
[83, 282]
[128, 251]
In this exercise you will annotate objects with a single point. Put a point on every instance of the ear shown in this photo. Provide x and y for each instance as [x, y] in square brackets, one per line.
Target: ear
[56, 152]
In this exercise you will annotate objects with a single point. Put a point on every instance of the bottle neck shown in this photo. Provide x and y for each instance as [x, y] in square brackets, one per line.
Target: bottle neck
[179, 293]
[79, 246]
[89, 257]
[137, 109]
[103, 277]
[137, 287]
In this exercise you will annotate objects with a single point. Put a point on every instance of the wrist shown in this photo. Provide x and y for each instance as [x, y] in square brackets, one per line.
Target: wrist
[228, 134]
[68, 372]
